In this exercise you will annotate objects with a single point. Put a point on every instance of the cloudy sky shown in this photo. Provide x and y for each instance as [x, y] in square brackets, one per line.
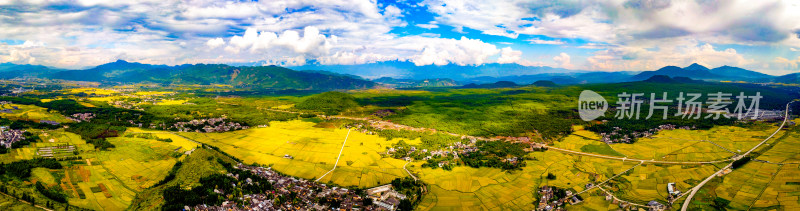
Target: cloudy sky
[612, 35]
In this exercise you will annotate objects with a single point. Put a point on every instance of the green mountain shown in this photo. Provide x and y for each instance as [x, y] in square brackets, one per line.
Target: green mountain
[10, 70]
[257, 77]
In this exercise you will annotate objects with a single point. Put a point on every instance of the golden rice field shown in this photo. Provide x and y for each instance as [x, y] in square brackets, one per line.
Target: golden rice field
[466, 188]
[31, 113]
[314, 151]
[770, 182]
[695, 145]
[96, 91]
[171, 102]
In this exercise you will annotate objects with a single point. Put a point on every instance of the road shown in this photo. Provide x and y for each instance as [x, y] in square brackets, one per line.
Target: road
[337, 158]
[638, 160]
[409, 173]
[697, 188]
[609, 179]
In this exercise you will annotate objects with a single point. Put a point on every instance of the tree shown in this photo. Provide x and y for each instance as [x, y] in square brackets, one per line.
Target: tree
[550, 176]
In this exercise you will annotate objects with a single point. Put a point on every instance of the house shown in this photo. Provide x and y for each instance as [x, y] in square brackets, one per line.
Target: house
[655, 206]
[378, 190]
[575, 200]
[672, 189]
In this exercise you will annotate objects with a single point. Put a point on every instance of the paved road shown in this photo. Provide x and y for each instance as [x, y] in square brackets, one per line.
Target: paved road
[697, 188]
[337, 158]
[638, 160]
[409, 173]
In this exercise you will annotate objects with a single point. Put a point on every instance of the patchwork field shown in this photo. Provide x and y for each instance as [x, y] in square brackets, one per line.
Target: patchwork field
[313, 151]
[718, 143]
[466, 188]
[30, 113]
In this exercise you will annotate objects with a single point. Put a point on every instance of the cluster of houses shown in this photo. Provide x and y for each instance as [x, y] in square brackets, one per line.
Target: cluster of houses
[202, 125]
[308, 195]
[763, 115]
[554, 198]
[9, 136]
[125, 104]
[617, 136]
[385, 197]
[81, 117]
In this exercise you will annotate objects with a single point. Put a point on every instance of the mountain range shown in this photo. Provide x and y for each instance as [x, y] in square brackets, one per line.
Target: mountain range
[393, 74]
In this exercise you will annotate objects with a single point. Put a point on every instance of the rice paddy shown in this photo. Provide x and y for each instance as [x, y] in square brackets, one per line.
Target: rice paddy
[30, 113]
[298, 148]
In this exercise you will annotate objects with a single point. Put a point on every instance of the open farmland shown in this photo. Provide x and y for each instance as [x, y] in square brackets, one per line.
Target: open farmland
[313, 152]
[494, 189]
[30, 113]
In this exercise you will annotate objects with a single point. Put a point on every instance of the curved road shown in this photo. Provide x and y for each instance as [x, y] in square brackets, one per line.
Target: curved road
[697, 188]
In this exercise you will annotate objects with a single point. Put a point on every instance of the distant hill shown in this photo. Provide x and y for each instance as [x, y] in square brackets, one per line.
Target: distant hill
[697, 71]
[738, 72]
[10, 70]
[411, 83]
[793, 78]
[693, 71]
[667, 79]
[499, 84]
[260, 77]
[408, 70]
[545, 83]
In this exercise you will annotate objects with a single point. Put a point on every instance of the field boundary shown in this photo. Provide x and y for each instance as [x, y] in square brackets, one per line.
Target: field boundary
[338, 157]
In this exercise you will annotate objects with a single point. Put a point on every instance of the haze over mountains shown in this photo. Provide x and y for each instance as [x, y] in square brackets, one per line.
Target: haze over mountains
[391, 74]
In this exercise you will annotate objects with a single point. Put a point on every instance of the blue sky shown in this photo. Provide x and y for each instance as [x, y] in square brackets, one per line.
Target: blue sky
[613, 35]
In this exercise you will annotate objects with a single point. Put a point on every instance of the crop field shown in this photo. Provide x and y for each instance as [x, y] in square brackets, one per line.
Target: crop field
[586, 141]
[136, 162]
[95, 91]
[649, 182]
[9, 203]
[466, 188]
[82, 183]
[30, 113]
[314, 151]
[695, 145]
[785, 150]
[177, 141]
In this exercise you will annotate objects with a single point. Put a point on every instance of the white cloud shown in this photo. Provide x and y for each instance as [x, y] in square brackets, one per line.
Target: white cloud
[545, 42]
[563, 60]
[216, 42]
[793, 49]
[508, 55]
[634, 58]
[312, 43]
[461, 52]
[429, 25]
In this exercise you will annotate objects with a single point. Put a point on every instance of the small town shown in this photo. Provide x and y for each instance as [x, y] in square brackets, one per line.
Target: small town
[307, 195]
[10, 136]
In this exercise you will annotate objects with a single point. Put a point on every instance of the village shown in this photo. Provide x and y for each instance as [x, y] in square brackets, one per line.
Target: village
[291, 193]
[10, 136]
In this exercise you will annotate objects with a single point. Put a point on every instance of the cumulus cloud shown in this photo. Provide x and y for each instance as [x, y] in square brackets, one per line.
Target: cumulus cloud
[743, 22]
[311, 43]
[216, 42]
[508, 55]
[563, 60]
[461, 52]
[633, 58]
